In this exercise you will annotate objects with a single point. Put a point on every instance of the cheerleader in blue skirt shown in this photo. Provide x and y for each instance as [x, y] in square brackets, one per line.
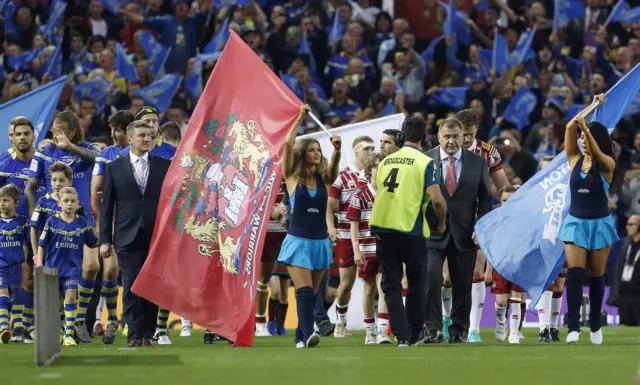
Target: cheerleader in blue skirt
[589, 230]
[306, 250]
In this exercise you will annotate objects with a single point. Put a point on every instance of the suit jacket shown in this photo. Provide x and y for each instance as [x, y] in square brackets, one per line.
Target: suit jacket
[614, 293]
[470, 200]
[121, 197]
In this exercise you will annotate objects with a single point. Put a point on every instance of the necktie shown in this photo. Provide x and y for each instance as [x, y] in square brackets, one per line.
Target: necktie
[450, 180]
[141, 174]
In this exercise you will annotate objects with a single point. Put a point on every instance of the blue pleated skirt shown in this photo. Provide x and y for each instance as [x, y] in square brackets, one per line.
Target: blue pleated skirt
[312, 254]
[590, 234]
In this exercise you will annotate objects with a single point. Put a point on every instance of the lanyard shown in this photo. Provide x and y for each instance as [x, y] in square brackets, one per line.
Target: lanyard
[628, 262]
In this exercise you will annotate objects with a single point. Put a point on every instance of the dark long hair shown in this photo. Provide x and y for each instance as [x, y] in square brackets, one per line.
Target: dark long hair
[601, 135]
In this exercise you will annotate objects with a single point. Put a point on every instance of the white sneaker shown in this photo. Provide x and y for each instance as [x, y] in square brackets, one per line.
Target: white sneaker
[383, 339]
[339, 331]
[514, 339]
[300, 345]
[163, 339]
[596, 338]
[370, 339]
[187, 328]
[501, 331]
[573, 337]
[520, 335]
[262, 331]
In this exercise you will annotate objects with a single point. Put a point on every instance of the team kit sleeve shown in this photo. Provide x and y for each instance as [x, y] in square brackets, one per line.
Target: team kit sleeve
[335, 191]
[495, 160]
[37, 218]
[101, 162]
[431, 175]
[36, 170]
[90, 238]
[45, 237]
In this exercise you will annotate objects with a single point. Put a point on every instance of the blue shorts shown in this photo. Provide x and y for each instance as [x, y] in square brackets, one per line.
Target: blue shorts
[11, 277]
[66, 283]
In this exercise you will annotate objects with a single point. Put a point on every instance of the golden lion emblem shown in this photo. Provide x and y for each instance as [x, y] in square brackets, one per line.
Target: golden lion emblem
[247, 143]
[208, 232]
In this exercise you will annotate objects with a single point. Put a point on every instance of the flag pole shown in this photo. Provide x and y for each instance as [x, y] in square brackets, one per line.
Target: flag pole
[319, 123]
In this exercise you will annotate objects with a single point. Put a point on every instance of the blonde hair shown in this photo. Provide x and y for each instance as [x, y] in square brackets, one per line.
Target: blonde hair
[68, 190]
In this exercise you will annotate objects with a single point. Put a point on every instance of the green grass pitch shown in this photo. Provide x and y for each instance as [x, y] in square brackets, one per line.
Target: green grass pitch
[346, 361]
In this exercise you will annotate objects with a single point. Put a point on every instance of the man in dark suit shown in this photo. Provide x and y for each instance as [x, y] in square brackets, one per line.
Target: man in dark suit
[132, 185]
[465, 186]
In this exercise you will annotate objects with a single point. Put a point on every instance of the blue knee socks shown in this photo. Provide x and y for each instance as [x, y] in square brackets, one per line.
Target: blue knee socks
[596, 295]
[304, 299]
[575, 279]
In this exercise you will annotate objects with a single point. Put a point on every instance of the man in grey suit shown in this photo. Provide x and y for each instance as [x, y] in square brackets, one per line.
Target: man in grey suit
[466, 188]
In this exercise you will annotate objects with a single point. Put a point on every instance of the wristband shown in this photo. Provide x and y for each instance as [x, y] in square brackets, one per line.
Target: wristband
[355, 243]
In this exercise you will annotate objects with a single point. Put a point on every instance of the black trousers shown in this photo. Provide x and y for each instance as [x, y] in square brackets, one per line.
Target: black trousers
[139, 313]
[392, 251]
[461, 265]
[629, 309]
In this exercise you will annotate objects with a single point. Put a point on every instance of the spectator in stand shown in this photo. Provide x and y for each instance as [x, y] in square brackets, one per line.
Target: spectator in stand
[343, 110]
[338, 63]
[128, 32]
[410, 70]
[400, 26]
[625, 291]
[359, 87]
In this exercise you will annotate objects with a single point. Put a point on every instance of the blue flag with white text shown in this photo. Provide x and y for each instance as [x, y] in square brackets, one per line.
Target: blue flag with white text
[523, 51]
[44, 98]
[159, 94]
[521, 106]
[519, 239]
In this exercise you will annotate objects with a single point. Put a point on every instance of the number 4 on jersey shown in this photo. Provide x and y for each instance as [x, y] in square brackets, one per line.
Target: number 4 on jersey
[390, 181]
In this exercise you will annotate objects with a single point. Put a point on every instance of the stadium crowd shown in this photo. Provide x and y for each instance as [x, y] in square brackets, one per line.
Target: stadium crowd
[350, 62]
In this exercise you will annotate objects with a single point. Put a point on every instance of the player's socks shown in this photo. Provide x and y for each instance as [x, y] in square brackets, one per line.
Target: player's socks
[69, 319]
[575, 278]
[501, 314]
[523, 314]
[327, 305]
[596, 295]
[17, 309]
[273, 309]
[514, 317]
[85, 291]
[282, 313]
[446, 301]
[369, 324]
[163, 319]
[544, 310]
[5, 304]
[478, 293]
[556, 305]
[110, 290]
[383, 322]
[304, 301]
[342, 313]
[27, 315]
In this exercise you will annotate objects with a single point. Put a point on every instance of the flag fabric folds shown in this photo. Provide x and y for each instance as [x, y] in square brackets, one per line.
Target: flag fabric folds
[218, 40]
[217, 198]
[24, 60]
[565, 11]
[335, 34]
[112, 6]
[193, 81]
[155, 52]
[56, 11]
[38, 106]
[500, 54]
[452, 97]
[160, 93]
[54, 63]
[124, 66]
[519, 239]
[95, 89]
[521, 106]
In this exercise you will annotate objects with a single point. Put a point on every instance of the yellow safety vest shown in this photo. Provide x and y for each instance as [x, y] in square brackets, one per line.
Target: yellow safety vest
[401, 194]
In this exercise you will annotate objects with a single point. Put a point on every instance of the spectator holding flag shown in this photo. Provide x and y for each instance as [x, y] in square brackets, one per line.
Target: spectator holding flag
[589, 230]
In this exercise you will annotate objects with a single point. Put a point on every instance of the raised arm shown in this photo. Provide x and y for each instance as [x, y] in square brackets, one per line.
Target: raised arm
[63, 142]
[570, 136]
[334, 166]
[287, 156]
[607, 164]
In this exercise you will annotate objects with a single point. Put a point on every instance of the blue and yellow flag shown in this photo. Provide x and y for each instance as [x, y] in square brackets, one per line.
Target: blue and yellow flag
[159, 94]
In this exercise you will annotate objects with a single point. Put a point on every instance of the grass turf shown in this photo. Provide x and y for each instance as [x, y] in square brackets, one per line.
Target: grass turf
[346, 361]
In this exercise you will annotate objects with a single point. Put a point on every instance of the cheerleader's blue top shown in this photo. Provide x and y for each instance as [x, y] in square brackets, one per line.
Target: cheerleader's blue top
[307, 243]
[589, 224]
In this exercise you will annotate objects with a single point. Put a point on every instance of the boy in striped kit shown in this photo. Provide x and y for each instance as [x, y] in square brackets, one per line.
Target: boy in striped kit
[61, 246]
[13, 252]
[340, 195]
[364, 251]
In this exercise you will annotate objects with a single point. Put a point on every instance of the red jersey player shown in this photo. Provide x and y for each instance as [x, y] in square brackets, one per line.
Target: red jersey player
[470, 122]
[340, 195]
[364, 251]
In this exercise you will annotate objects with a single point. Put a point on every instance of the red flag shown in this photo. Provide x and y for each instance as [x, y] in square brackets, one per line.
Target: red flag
[217, 198]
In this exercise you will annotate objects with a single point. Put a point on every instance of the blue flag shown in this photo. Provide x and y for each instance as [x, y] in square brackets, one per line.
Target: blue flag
[217, 42]
[9, 9]
[500, 54]
[388, 108]
[38, 106]
[56, 11]
[24, 60]
[428, 53]
[565, 11]
[155, 52]
[519, 239]
[630, 16]
[124, 66]
[618, 11]
[523, 51]
[521, 106]
[95, 89]
[292, 82]
[335, 34]
[112, 6]
[452, 97]
[575, 110]
[193, 81]
[455, 26]
[305, 49]
[634, 108]
[159, 94]
[54, 64]
[225, 3]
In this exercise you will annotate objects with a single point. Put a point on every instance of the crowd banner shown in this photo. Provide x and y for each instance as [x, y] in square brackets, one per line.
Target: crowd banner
[217, 198]
[372, 128]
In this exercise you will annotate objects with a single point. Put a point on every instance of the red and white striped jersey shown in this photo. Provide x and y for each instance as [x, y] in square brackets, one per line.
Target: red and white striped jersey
[490, 154]
[360, 208]
[342, 189]
[274, 225]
